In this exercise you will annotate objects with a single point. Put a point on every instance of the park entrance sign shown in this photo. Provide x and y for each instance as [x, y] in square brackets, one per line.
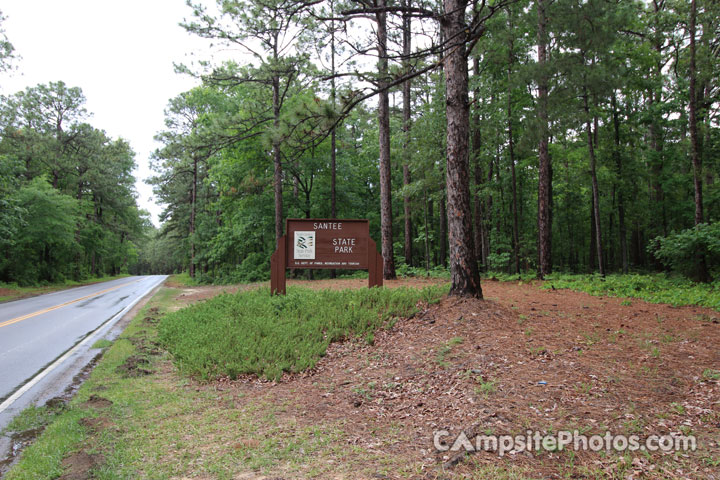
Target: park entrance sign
[325, 243]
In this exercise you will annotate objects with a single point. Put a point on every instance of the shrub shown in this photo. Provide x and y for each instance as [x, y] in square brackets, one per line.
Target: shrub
[655, 288]
[684, 251]
[499, 261]
[437, 271]
[252, 332]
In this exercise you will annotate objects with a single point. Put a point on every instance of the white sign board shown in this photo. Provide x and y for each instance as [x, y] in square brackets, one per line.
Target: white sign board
[304, 245]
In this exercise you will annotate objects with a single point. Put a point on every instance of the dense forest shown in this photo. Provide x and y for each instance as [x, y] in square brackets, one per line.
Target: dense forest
[67, 194]
[516, 136]
[68, 207]
[559, 135]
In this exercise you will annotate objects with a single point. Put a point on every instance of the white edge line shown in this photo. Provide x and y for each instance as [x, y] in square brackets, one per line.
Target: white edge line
[15, 396]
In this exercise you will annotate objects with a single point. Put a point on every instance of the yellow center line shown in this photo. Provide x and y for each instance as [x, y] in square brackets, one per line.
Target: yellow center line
[50, 309]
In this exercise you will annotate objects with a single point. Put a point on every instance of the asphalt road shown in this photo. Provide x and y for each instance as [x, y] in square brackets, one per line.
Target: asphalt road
[36, 332]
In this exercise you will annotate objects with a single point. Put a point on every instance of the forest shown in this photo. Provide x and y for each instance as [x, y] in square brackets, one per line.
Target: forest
[484, 136]
[67, 195]
[68, 209]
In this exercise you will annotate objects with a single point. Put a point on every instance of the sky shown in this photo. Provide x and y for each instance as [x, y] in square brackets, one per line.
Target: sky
[120, 54]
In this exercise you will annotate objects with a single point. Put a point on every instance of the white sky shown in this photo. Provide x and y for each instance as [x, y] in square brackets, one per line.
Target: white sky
[120, 53]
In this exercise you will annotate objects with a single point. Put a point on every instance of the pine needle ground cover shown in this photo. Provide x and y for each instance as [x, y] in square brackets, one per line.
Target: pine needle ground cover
[253, 333]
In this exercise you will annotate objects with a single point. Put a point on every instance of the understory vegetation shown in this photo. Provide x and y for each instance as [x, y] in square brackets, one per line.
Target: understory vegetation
[656, 288]
[673, 289]
[252, 332]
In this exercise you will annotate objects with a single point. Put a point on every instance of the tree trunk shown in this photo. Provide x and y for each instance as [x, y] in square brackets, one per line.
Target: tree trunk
[463, 265]
[694, 142]
[277, 174]
[427, 226]
[193, 201]
[431, 220]
[487, 226]
[476, 146]
[593, 175]
[511, 152]
[544, 171]
[443, 235]
[406, 147]
[333, 141]
[384, 136]
[696, 153]
[656, 129]
[620, 191]
[592, 254]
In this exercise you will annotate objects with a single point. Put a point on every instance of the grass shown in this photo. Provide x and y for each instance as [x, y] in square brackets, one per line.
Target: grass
[653, 288]
[444, 350]
[102, 343]
[11, 291]
[32, 418]
[43, 459]
[164, 425]
[253, 333]
[63, 432]
[485, 387]
[182, 280]
[524, 277]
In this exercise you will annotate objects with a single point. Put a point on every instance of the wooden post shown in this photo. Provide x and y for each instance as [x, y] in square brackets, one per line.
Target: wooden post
[278, 264]
[379, 266]
[375, 265]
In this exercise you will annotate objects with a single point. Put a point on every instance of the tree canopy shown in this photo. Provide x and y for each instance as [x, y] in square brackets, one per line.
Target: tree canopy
[514, 136]
[67, 191]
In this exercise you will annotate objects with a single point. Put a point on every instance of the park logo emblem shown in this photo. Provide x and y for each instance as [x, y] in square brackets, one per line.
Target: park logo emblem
[304, 245]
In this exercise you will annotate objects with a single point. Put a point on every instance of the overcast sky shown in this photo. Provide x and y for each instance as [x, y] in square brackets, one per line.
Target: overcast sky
[120, 53]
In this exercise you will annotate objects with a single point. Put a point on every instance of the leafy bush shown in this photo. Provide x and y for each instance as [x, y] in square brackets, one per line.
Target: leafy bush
[683, 251]
[252, 332]
[499, 261]
[255, 267]
[437, 271]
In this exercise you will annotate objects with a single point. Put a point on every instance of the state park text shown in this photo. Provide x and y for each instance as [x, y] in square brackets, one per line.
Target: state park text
[325, 244]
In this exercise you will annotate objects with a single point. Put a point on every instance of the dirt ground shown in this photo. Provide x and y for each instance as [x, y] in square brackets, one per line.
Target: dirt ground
[522, 359]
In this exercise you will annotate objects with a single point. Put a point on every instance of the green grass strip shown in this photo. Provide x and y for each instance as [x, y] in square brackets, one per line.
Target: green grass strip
[42, 459]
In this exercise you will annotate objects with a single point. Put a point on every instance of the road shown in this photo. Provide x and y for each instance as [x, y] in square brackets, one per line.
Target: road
[40, 337]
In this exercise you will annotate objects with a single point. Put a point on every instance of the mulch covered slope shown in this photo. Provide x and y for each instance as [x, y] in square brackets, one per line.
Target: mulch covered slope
[524, 358]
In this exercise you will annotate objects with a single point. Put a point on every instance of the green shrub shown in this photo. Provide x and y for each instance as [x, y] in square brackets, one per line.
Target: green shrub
[499, 261]
[655, 288]
[683, 251]
[255, 267]
[437, 271]
[252, 332]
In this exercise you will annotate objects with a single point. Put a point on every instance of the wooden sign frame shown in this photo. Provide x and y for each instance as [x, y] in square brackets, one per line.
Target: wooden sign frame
[325, 243]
